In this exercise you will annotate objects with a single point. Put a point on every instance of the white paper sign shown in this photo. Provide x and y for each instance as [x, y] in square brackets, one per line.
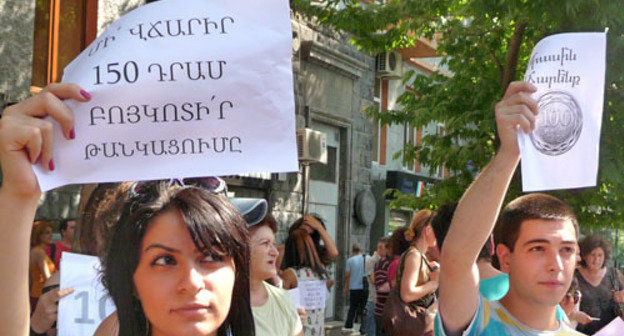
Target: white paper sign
[312, 294]
[296, 297]
[614, 328]
[81, 312]
[182, 89]
[562, 151]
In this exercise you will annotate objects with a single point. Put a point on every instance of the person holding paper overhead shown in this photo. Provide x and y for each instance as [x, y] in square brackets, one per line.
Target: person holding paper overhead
[538, 247]
[302, 263]
[188, 271]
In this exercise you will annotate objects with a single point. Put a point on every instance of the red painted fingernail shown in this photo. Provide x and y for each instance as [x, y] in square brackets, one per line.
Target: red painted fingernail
[72, 133]
[51, 165]
[85, 94]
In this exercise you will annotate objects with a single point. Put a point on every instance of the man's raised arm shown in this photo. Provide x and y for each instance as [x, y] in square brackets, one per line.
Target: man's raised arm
[478, 210]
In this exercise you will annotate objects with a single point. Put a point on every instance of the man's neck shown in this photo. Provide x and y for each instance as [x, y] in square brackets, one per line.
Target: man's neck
[533, 315]
[66, 243]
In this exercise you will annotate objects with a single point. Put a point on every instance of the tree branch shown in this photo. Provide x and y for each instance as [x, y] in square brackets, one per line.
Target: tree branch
[511, 63]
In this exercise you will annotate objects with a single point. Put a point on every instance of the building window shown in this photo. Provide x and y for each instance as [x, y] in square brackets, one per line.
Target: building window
[63, 28]
[326, 172]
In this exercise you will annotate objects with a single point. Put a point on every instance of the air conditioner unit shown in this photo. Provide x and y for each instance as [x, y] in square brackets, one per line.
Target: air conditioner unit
[388, 64]
[311, 146]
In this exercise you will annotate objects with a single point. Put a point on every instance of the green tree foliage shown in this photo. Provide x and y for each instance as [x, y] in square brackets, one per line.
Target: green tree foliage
[485, 44]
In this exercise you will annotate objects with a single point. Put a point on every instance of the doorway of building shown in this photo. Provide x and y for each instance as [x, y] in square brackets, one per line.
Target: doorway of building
[323, 195]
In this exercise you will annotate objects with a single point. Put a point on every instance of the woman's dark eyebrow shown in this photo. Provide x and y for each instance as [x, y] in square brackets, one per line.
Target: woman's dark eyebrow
[161, 246]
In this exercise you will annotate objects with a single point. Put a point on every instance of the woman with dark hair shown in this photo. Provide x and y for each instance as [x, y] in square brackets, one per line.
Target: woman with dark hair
[302, 263]
[601, 287]
[177, 263]
[188, 274]
[327, 251]
[398, 245]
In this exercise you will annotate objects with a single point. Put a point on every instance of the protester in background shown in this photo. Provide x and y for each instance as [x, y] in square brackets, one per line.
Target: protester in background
[323, 242]
[55, 250]
[601, 287]
[571, 303]
[273, 309]
[353, 288]
[382, 246]
[493, 283]
[398, 245]
[417, 277]
[301, 264]
[41, 267]
[44, 316]
[98, 212]
[382, 287]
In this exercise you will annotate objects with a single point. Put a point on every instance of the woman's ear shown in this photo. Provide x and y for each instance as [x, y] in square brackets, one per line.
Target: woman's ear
[430, 235]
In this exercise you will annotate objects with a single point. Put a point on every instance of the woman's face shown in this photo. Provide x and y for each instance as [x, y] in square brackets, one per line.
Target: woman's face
[182, 291]
[595, 259]
[46, 236]
[263, 254]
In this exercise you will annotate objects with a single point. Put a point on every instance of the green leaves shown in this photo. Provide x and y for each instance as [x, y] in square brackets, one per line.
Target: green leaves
[475, 46]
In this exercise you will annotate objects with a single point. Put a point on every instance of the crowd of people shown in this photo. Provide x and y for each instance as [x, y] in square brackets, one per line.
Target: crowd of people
[181, 258]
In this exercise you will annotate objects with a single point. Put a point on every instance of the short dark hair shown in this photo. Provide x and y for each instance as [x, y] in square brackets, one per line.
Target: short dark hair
[384, 240]
[398, 243]
[591, 242]
[63, 224]
[211, 220]
[531, 206]
[441, 224]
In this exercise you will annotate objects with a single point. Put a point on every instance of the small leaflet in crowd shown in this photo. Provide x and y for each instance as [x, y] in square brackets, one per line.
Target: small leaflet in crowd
[569, 73]
[295, 295]
[81, 312]
[312, 294]
[182, 88]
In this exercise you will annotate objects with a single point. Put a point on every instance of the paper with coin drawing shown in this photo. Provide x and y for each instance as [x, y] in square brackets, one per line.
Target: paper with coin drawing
[562, 152]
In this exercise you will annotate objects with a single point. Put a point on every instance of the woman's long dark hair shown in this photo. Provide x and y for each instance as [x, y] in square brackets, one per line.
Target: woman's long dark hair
[316, 238]
[211, 221]
[300, 251]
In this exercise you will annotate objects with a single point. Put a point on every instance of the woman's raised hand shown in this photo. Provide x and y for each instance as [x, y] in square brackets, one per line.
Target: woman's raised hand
[26, 138]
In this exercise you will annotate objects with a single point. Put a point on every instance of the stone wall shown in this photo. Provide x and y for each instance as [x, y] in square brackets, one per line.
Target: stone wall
[16, 34]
